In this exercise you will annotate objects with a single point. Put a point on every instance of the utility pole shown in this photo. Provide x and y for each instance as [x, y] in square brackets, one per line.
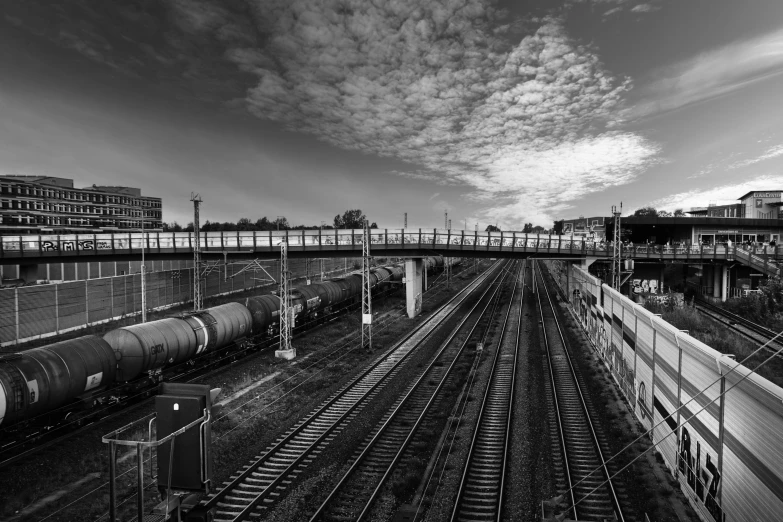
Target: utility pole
[143, 272]
[405, 223]
[198, 299]
[285, 350]
[446, 259]
[366, 296]
[616, 251]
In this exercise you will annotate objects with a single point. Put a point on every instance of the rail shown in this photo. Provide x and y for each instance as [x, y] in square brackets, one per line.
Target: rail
[480, 493]
[575, 425]
[247, 490]
[361, 485]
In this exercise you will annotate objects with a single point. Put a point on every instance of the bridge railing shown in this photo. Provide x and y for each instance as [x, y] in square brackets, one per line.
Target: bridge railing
[420, 239]
[106, 243]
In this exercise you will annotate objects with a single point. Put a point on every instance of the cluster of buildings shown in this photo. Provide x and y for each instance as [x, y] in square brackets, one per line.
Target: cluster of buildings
[51, 205]
[756, 218]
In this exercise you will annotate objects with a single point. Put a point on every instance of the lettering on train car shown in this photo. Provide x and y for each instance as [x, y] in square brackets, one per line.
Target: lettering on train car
[32, 388]
[702, 481]
[157, 348]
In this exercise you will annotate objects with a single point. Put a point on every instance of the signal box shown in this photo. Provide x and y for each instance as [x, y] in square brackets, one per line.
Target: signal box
[178, 405]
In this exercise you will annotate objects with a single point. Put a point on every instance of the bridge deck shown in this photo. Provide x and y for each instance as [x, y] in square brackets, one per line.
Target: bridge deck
[342, 243]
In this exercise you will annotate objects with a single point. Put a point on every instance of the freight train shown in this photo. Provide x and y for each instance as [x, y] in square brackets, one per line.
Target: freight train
[43, 379]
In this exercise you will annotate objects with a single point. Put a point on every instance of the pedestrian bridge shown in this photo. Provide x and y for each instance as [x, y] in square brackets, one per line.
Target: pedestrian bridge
[33, 249]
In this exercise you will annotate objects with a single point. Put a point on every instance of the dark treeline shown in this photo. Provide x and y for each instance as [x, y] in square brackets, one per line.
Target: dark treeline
[349, 219]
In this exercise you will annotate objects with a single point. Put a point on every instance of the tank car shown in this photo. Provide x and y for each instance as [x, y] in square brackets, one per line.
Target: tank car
[149, 347]
[42, 379]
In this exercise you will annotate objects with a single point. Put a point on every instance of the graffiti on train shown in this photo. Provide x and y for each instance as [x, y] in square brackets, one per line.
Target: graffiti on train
[703, 481]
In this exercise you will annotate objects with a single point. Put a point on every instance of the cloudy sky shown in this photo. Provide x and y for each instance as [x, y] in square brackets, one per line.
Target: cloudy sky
[500, 111]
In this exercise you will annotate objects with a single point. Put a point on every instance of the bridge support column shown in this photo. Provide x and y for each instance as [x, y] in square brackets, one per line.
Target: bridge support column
[413, 276]
[716, 280]
[724, 287]
[585, 262]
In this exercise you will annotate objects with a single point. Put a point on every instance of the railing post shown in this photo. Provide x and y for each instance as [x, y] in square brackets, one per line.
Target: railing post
[140, 481]
[112, 481]
[40, 250]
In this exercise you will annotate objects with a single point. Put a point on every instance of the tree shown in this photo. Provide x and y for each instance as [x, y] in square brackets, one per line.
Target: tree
[492, 228]
[245, 224]
[538, 229]
[189, 228]
[173, 227]
[646, 211]
[679, 213]
[664, 213]
[350, 219]
[263, 224]
[557, 229]
[280, 223]
[527, 228]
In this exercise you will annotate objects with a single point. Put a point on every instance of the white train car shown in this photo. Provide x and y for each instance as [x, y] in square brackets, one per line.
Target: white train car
[717, 425]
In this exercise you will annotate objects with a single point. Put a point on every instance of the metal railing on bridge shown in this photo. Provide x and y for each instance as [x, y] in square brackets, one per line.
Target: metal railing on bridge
[432, 240]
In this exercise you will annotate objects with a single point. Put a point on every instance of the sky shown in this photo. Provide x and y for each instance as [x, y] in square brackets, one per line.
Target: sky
[499, 112]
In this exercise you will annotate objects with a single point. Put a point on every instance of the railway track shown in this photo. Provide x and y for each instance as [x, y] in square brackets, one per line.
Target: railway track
[257, 486]
[354, 495]
[480, 495]
[589, 493]
[748, 329]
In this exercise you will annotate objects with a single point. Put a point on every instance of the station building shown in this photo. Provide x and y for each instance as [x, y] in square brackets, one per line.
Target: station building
[754, 222]
[589, 228]
[51, 205]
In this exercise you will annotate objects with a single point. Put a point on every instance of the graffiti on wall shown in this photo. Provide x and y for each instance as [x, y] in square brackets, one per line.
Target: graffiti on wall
[703, 481]
[645, 286]
[69, 246]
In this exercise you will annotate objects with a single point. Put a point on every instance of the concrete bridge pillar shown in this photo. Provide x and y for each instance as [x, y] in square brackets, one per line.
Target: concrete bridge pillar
[413, 276]
[716, 281]
[724, 287]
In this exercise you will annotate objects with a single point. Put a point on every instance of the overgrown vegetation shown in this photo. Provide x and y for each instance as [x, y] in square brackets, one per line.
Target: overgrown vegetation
[765, 308]
[721, 338]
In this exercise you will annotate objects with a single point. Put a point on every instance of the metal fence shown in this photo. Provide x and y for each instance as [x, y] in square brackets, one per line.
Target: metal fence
[33, 312]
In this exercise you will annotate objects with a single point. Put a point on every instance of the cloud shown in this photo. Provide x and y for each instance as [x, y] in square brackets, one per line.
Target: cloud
[723, 194]
[772, 152]
[713, 73]
[434, 196]
[645, 8]
[521, 116]
[435, 86]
